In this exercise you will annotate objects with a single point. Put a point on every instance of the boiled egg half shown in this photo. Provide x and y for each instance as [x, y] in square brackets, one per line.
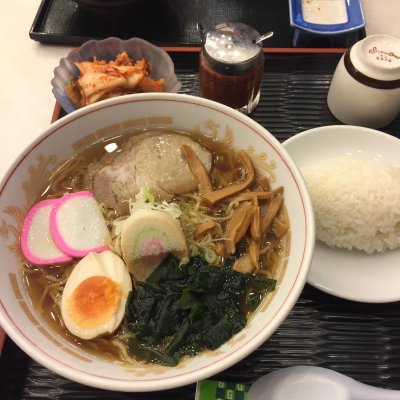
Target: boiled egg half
[94, 298]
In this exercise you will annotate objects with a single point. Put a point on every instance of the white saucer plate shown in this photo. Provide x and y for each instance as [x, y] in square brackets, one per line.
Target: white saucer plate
[352, 275]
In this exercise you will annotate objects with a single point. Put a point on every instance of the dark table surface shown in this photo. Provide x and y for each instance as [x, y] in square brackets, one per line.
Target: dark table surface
[358, 339]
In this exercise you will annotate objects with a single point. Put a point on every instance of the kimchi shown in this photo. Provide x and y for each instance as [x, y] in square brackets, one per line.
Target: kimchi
[100, 79]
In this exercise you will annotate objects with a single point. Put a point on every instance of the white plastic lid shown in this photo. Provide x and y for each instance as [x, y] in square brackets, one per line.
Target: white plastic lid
[378, 57]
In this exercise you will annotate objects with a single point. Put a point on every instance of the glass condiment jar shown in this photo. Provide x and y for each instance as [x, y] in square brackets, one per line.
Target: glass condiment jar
[231, 66]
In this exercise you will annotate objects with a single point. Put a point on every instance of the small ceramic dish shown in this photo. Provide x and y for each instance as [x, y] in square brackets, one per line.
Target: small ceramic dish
[326, 17]
[107, 49]
[350, 274]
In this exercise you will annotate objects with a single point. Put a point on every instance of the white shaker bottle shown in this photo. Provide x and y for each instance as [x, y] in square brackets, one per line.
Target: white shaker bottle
[365, 88]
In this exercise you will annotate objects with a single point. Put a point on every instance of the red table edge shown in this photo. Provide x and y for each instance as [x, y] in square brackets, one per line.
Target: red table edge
[2, 338]
[193, 49]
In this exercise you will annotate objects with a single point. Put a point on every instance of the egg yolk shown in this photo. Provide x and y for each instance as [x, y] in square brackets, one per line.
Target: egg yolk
[94, 301]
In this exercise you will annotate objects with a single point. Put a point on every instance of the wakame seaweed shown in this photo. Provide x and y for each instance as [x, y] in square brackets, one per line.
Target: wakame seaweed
[183, 309]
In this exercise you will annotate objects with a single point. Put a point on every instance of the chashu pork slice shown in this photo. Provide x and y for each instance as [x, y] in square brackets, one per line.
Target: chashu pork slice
[155, 162]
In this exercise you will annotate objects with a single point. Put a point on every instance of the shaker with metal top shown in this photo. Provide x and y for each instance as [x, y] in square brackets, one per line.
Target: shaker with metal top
[365, 88]
[231, 66]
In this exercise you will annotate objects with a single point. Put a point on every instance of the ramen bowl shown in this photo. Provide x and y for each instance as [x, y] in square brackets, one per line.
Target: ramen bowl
[26, 178]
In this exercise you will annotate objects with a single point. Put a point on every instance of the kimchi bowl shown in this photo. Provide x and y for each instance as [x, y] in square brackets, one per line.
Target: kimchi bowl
[33, 177]
[107, 50]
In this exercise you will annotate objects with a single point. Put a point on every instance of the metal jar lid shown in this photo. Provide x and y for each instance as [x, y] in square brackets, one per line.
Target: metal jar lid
[375, 61]
[230, 48]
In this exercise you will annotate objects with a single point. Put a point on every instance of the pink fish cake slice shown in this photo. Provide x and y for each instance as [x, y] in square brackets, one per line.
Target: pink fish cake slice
[37, 243]
[78, 226]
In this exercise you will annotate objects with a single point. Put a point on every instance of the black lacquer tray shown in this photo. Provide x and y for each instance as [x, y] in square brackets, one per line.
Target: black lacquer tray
[166, 22]
[357, 339]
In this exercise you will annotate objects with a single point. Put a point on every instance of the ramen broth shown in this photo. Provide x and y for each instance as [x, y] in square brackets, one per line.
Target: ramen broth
[45, 283]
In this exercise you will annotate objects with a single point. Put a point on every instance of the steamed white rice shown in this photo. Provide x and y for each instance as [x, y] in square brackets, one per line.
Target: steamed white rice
[356, 203]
